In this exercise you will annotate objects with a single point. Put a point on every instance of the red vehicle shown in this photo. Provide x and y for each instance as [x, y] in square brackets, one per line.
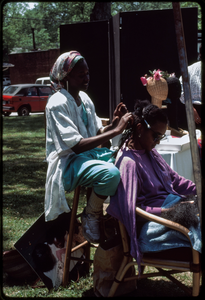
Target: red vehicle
[25, 98]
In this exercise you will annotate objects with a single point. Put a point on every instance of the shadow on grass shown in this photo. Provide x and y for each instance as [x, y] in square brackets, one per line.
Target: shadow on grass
[31, 173]
[150, 288]
[31, 123]
[10, 282]
[145, 288]
[24, 172]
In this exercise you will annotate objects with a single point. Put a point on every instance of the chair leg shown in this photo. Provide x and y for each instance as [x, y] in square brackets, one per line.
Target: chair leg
[196, 284]
[87, 256]
[117, 277]
[196, 275]
[89, 191]
[70, 237]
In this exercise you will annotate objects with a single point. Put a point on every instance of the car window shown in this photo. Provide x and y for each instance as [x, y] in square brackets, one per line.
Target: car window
[32, 91]
[6, 87]
[11, 90]
[38, 81]
[45, 91]
[22, 92]
[47, 81]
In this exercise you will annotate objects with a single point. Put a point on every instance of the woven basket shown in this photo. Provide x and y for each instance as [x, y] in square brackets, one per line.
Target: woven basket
[158, 90]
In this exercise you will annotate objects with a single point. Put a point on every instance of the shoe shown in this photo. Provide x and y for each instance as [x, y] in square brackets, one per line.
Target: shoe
[91, 227]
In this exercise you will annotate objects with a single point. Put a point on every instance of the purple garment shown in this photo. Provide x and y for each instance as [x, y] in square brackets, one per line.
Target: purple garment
[146, 181]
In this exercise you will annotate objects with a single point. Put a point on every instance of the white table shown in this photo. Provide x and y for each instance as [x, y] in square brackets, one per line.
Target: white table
[177, 153]
[180, 161]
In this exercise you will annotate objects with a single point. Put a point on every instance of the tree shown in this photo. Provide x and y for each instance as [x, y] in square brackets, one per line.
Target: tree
[101, 11]
[12, 23]
[46, 18]
[132, 6]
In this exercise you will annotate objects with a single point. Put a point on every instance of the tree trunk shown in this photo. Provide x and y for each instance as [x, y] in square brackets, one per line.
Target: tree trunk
[101, 11]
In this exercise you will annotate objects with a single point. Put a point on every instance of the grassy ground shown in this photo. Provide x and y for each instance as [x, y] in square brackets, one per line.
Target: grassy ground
[24, 174]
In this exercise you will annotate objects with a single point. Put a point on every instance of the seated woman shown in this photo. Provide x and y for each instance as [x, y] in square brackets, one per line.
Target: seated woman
[147, 181]
[73, 134]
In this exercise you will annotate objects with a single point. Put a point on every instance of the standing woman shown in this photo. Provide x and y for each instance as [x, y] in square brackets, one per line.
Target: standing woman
[74, 132]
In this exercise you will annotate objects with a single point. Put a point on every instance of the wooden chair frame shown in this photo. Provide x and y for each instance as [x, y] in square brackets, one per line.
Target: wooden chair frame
[86, 245]
[159, 264]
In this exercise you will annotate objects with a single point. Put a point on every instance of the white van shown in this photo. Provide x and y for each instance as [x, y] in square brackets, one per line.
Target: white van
[43, 80]
[6, 81]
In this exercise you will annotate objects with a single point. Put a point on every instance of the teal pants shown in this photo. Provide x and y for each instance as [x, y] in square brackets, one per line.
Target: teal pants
[92, 168]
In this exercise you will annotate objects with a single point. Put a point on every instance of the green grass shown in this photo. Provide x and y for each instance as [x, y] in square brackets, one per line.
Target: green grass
[24, 174]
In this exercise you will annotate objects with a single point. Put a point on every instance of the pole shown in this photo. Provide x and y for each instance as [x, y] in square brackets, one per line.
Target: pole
[188, 101]
[34, 44]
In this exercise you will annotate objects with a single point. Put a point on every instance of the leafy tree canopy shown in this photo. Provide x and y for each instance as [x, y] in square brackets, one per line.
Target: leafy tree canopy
[46, 18]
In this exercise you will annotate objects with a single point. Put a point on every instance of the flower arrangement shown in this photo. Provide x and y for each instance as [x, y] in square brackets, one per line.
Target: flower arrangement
[156, 75]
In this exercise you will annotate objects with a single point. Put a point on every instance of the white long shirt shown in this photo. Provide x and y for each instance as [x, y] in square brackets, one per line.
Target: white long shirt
[194, 72]
[64, 129]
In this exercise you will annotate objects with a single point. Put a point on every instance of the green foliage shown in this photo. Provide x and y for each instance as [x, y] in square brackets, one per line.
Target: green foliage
[46, 18]
[135, 6]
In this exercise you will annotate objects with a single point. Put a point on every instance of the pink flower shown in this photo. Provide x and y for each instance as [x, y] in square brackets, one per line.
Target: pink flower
[143, 80]
[157, 75]
[172, 75]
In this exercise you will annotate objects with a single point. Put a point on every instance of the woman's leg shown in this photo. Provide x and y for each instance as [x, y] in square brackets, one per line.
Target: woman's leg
[104, 177]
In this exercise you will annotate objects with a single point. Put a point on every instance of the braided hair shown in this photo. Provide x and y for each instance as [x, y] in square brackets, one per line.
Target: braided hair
[143, 109]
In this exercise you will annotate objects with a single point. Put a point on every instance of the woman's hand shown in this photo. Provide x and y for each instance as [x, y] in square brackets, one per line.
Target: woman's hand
[107, 134]
[120, 110]
[123, 122]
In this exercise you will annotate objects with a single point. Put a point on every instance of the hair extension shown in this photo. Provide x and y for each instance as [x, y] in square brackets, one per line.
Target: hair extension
[152, 114]
[143, 109]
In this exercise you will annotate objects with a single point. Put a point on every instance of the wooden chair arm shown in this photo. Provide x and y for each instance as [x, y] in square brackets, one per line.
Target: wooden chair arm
[172, 225]
[162, 221]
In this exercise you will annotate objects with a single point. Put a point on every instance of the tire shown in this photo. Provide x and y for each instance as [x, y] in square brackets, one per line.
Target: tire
[6, 114]
[23, 111]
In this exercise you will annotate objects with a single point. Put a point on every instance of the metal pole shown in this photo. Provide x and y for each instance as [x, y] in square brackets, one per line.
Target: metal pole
[188, 101]
[34, 44]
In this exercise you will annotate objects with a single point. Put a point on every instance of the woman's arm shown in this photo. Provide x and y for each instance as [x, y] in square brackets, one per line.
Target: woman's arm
[93, 142]
[119, 112]
[152, 210]
[182, 185]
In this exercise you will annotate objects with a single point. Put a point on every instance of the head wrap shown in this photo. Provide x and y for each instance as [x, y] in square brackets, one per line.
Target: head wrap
[63, 65]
